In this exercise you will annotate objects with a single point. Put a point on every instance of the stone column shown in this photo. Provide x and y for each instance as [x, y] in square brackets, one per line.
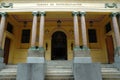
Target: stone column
[80, 55]
[117, 39]
[37, 55]
[34, 29]
[41, 30]
[116, 32]
[2, 27]
[76, 30]
[83, 28]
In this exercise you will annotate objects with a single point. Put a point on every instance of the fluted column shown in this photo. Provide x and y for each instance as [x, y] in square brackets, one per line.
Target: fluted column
[34, 29]
[2, 27]
[76, 29]
[116, 32]
[83, 29]
[41, 34]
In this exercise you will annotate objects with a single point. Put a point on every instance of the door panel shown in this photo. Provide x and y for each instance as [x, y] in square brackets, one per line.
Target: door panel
[6, 50]
[110, 49]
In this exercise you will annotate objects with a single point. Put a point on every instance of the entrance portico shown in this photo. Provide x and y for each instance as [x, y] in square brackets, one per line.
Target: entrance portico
[67, 25]
[77, 37]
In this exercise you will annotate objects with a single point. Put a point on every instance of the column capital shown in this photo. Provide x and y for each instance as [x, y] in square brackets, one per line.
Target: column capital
[35, 13]
[42, 13]
[113, 14]
[3, 14]
[82, 13]
[119, 13]
[75, 13]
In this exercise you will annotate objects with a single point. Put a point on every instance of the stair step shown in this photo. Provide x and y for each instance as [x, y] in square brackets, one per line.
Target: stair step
[59, 70]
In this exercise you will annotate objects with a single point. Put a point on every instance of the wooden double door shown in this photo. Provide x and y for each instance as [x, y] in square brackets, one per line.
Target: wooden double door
[6, 50]
[110, 48]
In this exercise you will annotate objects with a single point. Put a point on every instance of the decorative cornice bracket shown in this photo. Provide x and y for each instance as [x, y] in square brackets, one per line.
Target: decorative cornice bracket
[111, 5]
[6, 5]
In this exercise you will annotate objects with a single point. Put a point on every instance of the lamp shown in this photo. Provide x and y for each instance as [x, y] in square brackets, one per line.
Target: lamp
[58, 23]
[91, 23]
[25, 23]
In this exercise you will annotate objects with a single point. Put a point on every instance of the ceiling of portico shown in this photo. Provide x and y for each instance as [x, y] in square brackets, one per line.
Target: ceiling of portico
[54, 16]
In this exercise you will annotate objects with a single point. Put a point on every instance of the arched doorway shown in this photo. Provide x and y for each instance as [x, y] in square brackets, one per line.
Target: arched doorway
[59, 46]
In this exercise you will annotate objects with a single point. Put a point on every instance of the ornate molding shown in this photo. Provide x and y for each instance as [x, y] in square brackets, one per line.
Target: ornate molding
[3, 14]
[82, 13]
[42, 13]
[35, 13]
[75, 13]
[111, 5]
[113, 14]
[6, 5]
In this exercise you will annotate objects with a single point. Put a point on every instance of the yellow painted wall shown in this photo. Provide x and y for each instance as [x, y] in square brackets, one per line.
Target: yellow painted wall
[18, 51]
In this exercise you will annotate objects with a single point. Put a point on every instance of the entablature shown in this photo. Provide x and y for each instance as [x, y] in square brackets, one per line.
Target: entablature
[59, 6]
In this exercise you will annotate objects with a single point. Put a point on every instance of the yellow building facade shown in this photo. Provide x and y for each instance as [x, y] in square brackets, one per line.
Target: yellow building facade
[59, 27]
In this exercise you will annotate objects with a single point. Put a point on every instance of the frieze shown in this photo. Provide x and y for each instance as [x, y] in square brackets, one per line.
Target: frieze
[60, 6]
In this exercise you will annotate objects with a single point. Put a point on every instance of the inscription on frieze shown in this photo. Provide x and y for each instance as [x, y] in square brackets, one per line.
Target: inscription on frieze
[59, 4]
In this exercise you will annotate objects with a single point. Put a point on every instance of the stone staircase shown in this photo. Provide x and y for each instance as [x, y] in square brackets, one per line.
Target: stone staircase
[61, 70]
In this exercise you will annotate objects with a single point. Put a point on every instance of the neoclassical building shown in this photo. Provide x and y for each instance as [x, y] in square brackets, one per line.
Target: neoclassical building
[59, 28]
[59, 39]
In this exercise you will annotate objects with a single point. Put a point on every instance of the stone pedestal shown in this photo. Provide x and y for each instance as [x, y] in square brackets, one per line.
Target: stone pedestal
[87, 71]
[36, 56]
[31, 71]
[117, 62]
[1, 54]
[82, 56]
[2, 65]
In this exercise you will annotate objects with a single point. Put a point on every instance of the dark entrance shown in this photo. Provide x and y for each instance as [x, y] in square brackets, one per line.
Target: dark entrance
[6, 50]
[59, 46]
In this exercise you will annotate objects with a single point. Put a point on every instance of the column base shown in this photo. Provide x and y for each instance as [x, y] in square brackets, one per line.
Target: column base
[33, 52]
[117, 62]
[36, 55]
[35, 60]
[82, 55]
[1, 55]
[2, 65]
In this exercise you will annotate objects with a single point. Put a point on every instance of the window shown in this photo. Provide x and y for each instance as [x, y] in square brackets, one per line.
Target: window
[25, 36]
[10, 28]
[107, 27]
[92, 35]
